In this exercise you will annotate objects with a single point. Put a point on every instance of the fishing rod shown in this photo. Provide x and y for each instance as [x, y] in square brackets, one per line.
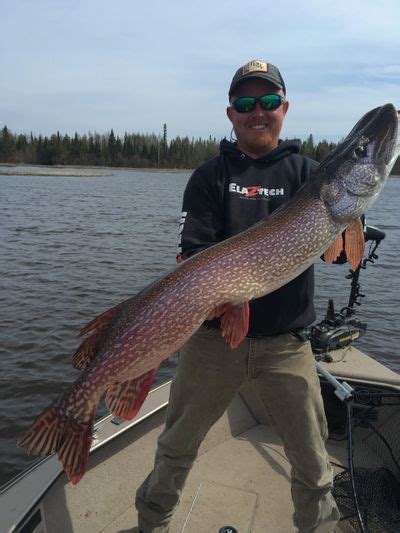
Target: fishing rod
[338, 330]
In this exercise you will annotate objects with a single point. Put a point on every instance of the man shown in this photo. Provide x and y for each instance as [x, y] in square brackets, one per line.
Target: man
[245, 183]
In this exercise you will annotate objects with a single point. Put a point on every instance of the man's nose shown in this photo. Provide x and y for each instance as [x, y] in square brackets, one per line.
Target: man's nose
[258, 110]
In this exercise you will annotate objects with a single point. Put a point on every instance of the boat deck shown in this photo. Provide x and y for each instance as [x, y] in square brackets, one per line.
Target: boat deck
[241, 477]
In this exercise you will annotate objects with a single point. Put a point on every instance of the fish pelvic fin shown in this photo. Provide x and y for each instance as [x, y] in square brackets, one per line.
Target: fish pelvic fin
[125, 399]
[354, 243]
[56, 432]
[235, 323]
[218, 311]
[89, 348]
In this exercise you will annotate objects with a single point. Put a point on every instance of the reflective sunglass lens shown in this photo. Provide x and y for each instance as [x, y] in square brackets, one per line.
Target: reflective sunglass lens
[244, 105]
[270, 101]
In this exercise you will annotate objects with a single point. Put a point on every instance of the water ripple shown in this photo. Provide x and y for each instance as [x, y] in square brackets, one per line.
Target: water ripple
[72, 248]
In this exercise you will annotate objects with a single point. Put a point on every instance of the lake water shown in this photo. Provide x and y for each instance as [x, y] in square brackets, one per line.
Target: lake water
[71, 247]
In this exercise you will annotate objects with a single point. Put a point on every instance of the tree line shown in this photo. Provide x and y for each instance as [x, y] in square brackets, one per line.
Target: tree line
[132, 150]
[93, 149]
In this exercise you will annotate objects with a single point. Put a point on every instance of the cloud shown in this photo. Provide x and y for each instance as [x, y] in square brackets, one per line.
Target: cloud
[93, 65]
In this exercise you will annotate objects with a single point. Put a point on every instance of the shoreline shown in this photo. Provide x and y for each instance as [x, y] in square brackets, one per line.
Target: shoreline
[54, 174]
[4, 172]
[93, 170]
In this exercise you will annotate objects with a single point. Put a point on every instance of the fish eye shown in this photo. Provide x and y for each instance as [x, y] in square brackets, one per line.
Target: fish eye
[360, 151]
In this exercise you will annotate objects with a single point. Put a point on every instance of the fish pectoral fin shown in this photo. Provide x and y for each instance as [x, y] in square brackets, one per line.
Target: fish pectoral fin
[334, 250]
[235, 323]
[354, 243]
[125, 399]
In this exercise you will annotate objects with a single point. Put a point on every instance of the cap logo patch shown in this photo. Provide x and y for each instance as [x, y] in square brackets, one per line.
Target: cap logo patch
[254, 66]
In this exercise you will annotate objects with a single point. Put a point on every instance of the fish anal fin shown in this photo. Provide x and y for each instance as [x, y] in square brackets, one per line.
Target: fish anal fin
[334, 250]
[354, 243]
[125, 399]
[235, 323]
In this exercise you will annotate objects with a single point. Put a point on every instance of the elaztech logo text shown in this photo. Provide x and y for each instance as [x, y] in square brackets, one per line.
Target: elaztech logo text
[255, 191]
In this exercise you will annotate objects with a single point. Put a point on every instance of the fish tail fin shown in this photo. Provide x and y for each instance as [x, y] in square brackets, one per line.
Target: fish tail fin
[125, 399]
[55, 432]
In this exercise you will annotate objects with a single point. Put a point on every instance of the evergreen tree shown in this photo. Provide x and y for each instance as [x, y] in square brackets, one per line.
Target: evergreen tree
[112, 147]
[308, 148]
[322, 150]
[163, 151]
[7, 146]
[134, 150]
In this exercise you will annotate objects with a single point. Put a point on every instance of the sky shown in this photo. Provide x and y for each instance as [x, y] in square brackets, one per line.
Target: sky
[89, 66]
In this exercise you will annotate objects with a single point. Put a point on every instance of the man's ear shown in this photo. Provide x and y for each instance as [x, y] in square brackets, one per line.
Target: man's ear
[285, 106]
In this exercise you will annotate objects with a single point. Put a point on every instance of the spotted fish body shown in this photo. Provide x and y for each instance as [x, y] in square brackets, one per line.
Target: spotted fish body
[127, 343]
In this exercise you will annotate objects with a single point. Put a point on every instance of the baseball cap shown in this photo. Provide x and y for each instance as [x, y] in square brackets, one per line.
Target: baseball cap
[258, 69]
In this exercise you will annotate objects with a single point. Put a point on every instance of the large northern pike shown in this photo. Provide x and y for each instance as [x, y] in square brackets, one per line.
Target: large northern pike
[127, 343]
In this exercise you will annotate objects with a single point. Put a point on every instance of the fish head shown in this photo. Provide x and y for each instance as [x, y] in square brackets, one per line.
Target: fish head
[354, 173]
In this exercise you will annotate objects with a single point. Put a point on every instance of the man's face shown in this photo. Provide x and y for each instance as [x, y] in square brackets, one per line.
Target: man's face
[257, 132]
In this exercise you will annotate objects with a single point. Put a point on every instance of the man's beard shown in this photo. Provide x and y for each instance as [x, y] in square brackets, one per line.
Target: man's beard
[259, 145]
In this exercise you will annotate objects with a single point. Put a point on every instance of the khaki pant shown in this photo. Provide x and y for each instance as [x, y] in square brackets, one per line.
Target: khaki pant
[209, 374]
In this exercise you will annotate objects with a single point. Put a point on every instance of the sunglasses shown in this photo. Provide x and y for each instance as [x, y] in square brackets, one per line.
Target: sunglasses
[269, 102]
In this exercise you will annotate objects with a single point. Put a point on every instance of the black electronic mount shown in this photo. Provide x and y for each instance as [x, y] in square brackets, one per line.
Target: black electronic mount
[338, 330]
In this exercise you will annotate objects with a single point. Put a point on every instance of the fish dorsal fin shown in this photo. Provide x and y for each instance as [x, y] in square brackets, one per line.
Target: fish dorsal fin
[88, 349]
[354, 243]
[125, 399]
[100, 321]
[235, 323]
[86, 352]
[334, 250]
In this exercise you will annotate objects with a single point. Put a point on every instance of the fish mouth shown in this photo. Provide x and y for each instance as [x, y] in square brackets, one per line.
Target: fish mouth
[378, 132]
[356, 170]
[381, 127]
